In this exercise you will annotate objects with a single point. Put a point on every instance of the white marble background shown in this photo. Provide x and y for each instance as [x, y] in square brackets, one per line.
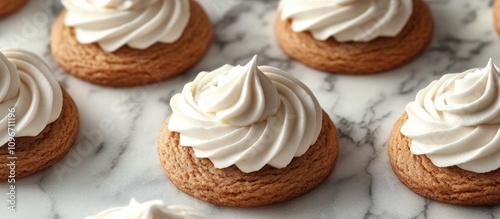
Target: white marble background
[115, 157]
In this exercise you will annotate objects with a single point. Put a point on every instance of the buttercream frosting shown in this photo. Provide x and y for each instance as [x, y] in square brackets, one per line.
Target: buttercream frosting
[136, 23]
[347, 20]
[149, 210]
[28, 86]
[456, 120]
[246, 116]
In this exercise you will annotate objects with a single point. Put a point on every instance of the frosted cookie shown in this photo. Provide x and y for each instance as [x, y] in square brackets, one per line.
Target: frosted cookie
[247, 136]
[446, 146]
[38, 120]
[353, 36]
[149, 210]
[496, 15]
[10, 6]
[125, 43]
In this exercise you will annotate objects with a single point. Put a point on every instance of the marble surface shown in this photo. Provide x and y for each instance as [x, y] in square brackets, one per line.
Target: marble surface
[115, 158]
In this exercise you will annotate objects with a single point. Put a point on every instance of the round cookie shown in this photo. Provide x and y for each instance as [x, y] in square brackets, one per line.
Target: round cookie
[449, 185]
[232, 187]
[496, 15]
[127, 66]
[379, 55]
[9, 6]
[37, 153]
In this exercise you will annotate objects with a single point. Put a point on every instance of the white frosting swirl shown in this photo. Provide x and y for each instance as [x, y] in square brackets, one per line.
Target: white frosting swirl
[456, 120]
[149, 210]
[347, 20]
[246, 116]
[27, 84]
[136, 23]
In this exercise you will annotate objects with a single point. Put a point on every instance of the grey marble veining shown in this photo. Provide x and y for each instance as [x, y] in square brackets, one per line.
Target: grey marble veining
[115, 158]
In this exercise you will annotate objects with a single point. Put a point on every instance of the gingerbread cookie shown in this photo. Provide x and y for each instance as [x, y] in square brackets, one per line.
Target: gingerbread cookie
[446, 146]
[34, 154]
[451, 185]
[247, 136]
[7, 7]
[39, 121]
[231, 187]
[126, 66]
[360, 50]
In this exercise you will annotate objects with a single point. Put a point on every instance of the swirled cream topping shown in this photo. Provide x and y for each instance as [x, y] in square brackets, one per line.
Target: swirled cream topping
[28, 88]
[456, 120]
[246, 116]
[347, 20]
[136, 23]
[149, 210]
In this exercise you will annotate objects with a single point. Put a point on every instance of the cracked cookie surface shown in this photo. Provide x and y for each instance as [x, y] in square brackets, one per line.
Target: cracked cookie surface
[127, 66]
[42, 151]
[231, 187]
[379, 55]
[449, 185]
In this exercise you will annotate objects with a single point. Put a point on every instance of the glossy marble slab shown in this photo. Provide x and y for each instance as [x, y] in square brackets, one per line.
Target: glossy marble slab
[115, 156]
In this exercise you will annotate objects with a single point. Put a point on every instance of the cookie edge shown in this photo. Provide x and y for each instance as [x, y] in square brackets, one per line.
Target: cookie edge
[162, 142]
[408, 178]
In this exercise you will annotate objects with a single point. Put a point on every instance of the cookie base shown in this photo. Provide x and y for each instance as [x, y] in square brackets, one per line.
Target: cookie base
[379, 55]
[450, 185]
[42, 151]
[496, 15]
[127, 66]
[231, 187]
[8, 7]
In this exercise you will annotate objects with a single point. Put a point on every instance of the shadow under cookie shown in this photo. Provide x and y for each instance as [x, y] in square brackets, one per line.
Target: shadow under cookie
[127, 66]
[449, 184]
[231, 187]
[379, 55]
[42, 151]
